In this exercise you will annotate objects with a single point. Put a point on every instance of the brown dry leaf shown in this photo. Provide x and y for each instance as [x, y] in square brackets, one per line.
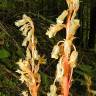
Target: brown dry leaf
[42, 60]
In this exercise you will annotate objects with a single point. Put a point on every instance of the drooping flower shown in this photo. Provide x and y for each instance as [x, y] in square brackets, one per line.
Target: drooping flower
[59, 72]
[28, 54]
[67, 47]
[53, 90]
[35, 55]
[73, 28]
[25, 28]
[51, 32]
[73, 59]
[28, 37]
[73, 4]
[55, 52]
[22, 21]
[29, 66]
[61, 17]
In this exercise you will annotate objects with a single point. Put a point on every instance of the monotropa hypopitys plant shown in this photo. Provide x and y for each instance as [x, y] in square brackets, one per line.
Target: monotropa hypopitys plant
[29, 66]
[65, 50]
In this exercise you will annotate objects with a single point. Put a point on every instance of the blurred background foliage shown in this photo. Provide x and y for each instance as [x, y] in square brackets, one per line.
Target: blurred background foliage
[44, 13]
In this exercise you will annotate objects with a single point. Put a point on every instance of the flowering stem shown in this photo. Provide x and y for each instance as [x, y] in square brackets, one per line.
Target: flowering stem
[65, 85]
[65, 51]
[67, 77]
[33, 89]
[28, 67]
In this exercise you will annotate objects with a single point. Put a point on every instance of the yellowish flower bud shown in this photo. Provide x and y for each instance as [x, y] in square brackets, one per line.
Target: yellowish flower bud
[20, 22]
[19, 71]
[54, 29]
[36, 56]
[25, 28]
[28, 54]
[22, 78]
[61, 18]
[73, 58]
[53, 90]
[59, 72]
[67, 47]
[55, 52]
[74, 26]
[27, 38]
[27, 18]
[23, 64]
[20, 63]
[25, 42]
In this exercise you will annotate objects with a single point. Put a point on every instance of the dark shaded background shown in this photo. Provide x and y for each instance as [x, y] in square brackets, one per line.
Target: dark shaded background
[44, 13]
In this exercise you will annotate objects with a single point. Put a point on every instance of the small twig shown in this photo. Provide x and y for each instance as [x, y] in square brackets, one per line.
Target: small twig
[9, 71]
[2, 27]
[39, 16]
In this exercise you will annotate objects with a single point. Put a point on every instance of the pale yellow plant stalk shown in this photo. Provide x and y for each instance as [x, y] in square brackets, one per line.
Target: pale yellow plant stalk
[65, 50]
[29, 66]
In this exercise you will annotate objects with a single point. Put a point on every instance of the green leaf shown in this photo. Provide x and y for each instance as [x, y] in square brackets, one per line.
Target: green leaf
[4, 53]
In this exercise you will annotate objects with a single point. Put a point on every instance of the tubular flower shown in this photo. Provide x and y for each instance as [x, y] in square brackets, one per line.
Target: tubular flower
[54, 28]
[73, 4]
[67, 47]
[73, 58]
[51, 32]
[27, 28]
[73, 27]
[55, 52]
[59, 72]
[61, 18]
[53, 90]
[23, 21]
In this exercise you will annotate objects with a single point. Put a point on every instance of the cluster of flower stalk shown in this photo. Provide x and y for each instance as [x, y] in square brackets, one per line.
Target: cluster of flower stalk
[65, 50]
[29, 66]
